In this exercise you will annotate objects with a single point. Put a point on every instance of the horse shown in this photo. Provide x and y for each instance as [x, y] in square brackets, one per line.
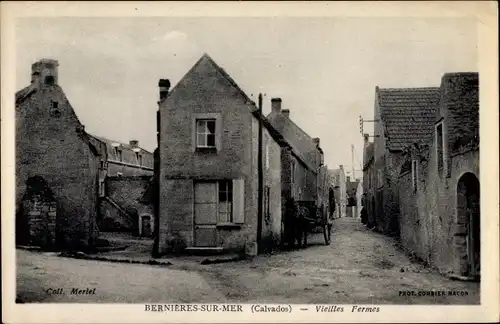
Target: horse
[297, 224]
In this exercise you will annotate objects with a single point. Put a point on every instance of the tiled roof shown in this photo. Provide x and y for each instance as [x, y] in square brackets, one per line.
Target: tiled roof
[408, 114]
[301, 143]
[123, 145]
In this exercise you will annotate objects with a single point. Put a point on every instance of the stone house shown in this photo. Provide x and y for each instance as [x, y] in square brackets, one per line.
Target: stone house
[368, 182]
[439, 183]
[340, 190]
[209, 166]
[307, 154]
[402, 116]
[125, 170]
[56, 167]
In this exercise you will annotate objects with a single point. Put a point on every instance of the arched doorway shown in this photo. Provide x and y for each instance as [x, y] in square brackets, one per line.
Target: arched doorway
[38, 214]
[468, 221]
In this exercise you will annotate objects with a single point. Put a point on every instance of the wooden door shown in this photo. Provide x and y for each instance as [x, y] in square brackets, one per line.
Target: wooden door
[205, 214]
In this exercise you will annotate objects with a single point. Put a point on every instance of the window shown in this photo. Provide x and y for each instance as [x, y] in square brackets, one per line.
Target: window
[54, 109]
[205, 133]
[414, 174]
[101, 165]
[119, 174]
[293, 171]
[439, 146]
[225, 201]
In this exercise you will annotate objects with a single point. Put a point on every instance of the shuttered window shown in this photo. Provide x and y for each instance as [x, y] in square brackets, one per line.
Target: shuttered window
[238, 201]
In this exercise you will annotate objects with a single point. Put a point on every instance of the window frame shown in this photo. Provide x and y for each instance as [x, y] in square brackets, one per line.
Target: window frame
[229, 200]
[217, 133]
[54, 110]
[206, 133]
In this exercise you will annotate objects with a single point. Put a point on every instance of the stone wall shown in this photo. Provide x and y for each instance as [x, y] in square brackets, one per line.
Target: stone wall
[50, 144]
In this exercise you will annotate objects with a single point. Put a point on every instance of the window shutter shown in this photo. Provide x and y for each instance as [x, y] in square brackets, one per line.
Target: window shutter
[239, 201]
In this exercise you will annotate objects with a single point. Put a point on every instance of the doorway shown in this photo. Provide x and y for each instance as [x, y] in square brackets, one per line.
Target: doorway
[468, 220]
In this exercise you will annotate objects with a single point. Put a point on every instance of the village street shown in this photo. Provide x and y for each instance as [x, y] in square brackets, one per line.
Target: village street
[359, 266]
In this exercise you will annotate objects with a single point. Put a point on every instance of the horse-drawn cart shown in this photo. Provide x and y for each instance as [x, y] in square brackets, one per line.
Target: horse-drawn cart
[305, 216]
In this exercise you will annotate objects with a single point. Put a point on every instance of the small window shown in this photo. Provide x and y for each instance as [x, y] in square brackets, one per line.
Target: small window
[54, 109]
[414, 175]
[119, 174]
[439, 147]
[293, 171]
[101, 165]
[139, 158]
[205, 133]
[225, 201]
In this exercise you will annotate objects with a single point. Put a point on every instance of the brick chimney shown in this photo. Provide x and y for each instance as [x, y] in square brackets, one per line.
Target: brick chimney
[285, 113]
[341, 167]
[164, 85]
[134, 143]
[45, 72]
[316, 141]
[276, 105]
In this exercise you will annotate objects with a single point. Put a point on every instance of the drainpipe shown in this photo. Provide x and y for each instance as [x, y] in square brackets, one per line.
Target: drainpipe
[260, 179]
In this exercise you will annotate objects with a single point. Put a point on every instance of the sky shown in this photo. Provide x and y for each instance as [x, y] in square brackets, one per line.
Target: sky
[324, 69]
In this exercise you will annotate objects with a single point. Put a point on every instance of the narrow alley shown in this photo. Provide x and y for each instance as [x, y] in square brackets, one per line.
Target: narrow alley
[359, 266]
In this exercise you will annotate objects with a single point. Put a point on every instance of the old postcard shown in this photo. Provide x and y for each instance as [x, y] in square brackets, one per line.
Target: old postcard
[250, 162]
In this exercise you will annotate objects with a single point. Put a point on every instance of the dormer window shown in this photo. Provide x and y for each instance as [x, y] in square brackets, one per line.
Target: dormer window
[54, 109]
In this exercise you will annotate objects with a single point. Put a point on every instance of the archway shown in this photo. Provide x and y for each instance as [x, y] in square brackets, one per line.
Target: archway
[468, 221]
[38, 214]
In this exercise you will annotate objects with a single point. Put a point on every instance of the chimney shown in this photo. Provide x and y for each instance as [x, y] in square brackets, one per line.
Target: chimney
[341, 167]
[366, 137]
[134, 143]
[164, 85]
[44, 72]
[276, 105]
[285, 113]
[316, 141]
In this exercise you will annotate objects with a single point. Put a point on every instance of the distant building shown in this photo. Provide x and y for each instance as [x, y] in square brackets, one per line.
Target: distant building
[439, 187]
[339, 183]
[353, 194]
[209, 166]
[402, 116]
[56, 167]
[125, 172]
[368, 182]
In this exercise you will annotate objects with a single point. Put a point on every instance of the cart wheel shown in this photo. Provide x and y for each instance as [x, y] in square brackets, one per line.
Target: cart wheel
[327, 233]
